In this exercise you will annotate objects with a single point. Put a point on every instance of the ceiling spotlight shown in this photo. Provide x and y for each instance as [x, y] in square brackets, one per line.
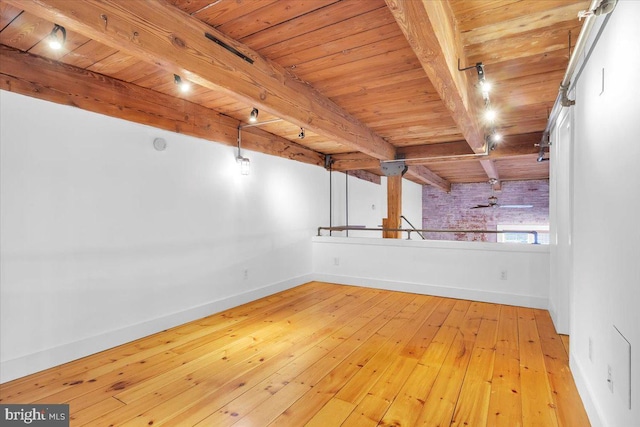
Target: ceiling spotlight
[253, 117]
[480, 70]
[54, 40]
[301, 134]
[182, 84]
[490, 115]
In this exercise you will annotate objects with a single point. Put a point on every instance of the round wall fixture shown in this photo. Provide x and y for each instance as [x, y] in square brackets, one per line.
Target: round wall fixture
[160, 144]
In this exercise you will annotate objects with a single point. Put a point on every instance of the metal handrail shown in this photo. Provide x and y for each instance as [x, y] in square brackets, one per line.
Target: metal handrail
[412, 226]
[426, 230]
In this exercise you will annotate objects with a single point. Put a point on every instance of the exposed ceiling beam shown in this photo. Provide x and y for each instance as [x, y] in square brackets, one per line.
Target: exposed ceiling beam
[37, 77]
[353, 161]
[513, 146]
[425, 176]
[159, 33]
[430, 29]
[457, 148]
[490, 168]
[366, 176]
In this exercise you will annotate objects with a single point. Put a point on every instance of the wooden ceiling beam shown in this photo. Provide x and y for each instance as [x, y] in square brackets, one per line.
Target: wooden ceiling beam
[41, 78]
[353, 161]
[429, 27]
[416, 173]
[490, 168]
[424, 175]
[457, 148]
[159, 33]
[513, 146]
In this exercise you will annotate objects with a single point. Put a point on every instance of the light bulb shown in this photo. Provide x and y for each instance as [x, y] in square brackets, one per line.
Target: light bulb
[55, 44]
[490, 115]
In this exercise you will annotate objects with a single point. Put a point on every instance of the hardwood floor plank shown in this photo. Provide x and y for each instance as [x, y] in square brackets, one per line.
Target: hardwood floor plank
[443, 397]
[359, 373]
[505, 404]
[375, 403]
[306, 353]
[473, 401]
[538, 407]
[324, 354]
[332, 414]
[567, 400]
[420, 341]
[185, 387]
[343, 363]
[410, 401]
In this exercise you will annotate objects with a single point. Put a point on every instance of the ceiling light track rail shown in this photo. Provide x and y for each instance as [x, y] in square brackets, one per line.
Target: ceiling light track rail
[492, 137]
[409, 160]
[231, 49]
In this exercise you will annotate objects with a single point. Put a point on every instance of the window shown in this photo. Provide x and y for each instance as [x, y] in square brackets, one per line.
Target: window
[543, 233]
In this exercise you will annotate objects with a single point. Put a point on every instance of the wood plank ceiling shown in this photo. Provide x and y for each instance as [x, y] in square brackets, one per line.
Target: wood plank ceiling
[368, 80]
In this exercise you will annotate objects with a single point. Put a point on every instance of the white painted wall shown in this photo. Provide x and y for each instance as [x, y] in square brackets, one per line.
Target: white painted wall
[468, 270]
[606, 239]
[104, 239]
[411, 204]
[367, 203]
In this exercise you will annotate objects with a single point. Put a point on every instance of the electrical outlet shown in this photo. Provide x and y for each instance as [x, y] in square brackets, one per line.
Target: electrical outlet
[591, 349]
[609, 378]
[336, 261]
[245, 274]
[503, 275]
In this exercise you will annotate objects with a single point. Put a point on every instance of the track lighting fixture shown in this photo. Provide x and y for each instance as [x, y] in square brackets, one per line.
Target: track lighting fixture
[245, 165]
[492, 140]
[490, 115]
[485, 88]
[182, 84]
[54, 40]
[253, 117]
[244, 162]
[301, 134]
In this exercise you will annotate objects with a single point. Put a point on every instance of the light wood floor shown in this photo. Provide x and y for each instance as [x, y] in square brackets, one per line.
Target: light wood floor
[327, 355]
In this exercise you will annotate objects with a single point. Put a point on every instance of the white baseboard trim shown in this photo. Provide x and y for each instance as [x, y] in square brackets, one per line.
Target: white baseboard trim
[594, 412]
[436, 290]
[35, 362]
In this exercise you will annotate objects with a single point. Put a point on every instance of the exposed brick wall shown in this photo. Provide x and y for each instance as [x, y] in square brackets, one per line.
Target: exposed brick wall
[442, 210]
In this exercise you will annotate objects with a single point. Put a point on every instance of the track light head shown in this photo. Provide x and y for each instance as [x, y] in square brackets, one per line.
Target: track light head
[253, 117]
[480, 70]
[182, 84]
[54, 40]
